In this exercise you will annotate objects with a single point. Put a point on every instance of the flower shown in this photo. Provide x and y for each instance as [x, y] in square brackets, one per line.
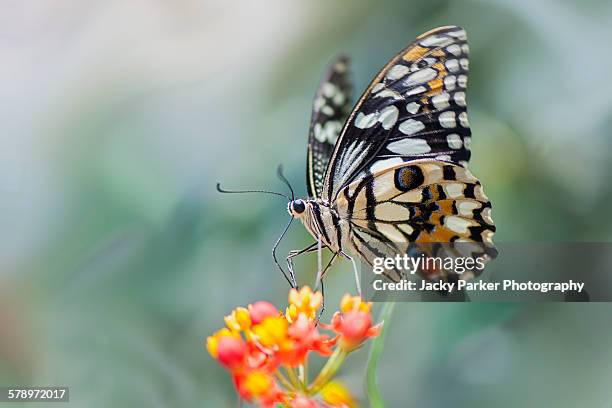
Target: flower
[337, 395]
[212, 342]
[260, 310]
[354, 303]
[231, 352]
[239, 319]
[302, 401]
[304, 302]
[354, 327]
[266, 352]
[259, 385]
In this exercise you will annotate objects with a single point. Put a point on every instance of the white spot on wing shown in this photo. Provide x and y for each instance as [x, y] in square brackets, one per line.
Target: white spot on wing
[459, 34]
[366, 121]
[454, 190]
[467, 142]
[416, 91]
[413, 107]
[452, 65]
[459, 98]
[388, 93]
[454, 141]
[457, 224]
[384, 164]
[388, 117]
[454, 49]
[447, 119]
[397, 71]
[486, 215]
[462, 81]
[328, 89]
[420, 77]
[463, 119]
[440, 101]
[435, 41]
[389, 211]
[411, 126]
[377, 87]
[409, 146]
[449, 82]
[467, 208]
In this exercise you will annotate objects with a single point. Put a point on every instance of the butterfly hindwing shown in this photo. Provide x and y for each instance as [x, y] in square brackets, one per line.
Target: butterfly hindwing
[331, 107]
[417, 203]
[413, 109]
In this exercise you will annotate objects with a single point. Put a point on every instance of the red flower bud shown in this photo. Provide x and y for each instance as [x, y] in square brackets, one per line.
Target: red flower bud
[354, 328]
[231, 352]
[260, 310]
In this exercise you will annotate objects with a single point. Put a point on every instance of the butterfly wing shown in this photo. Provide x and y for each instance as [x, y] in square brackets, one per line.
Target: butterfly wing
[331, 107]
[415, 204]
[413, 109]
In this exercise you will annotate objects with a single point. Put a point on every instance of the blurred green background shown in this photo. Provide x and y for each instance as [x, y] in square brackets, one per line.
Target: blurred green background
[119, 257]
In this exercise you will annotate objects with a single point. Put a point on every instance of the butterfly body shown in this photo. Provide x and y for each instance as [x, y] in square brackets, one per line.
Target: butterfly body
[323, 222]
[395, 175]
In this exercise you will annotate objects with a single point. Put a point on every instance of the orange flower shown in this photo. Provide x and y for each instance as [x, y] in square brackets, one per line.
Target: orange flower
[336, 395]
[303, 301]
[267, 352]
[238, 320]
[260, 386]
[354, 328]
[272, 333]
[258, 311]
[212, 342]
[354, 303]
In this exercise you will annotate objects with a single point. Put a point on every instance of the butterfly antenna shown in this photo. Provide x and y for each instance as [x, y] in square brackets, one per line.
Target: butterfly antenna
[221, 190]
[281, 176]
[291, 281]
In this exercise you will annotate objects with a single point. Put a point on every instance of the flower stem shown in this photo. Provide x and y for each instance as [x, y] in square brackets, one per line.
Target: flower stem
[328, 371]
[294, 378]
[283, 380]
[374, 395]
[303, 372]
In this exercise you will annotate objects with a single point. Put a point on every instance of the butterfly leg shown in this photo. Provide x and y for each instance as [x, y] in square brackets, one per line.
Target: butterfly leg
[355, 270]
[293, 254]
[320, 283]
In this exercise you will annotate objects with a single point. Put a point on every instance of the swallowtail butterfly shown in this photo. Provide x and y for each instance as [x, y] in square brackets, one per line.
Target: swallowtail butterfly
[391, 173]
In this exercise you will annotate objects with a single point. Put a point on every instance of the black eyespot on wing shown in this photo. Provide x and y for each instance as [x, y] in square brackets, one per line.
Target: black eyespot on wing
[408, 178]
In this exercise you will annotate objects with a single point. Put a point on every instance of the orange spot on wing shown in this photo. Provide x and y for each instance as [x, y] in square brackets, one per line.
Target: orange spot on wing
[415, 53]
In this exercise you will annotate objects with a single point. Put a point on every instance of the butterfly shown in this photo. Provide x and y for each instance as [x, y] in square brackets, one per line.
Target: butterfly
[391, 173]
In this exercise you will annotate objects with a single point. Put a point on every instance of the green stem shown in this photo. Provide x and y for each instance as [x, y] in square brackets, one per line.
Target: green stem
[283, 380]
[303, 372]
[374, 395]
[328, 371]
[293, 378]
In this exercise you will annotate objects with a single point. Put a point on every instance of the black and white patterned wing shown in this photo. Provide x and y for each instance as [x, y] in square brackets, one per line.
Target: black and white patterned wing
[413, 109]
[413, 206]
[331, 107]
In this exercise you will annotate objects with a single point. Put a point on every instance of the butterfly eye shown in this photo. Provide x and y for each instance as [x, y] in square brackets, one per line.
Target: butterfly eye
[298, 206]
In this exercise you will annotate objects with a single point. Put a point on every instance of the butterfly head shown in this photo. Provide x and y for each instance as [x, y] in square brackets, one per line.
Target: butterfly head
[296, 208]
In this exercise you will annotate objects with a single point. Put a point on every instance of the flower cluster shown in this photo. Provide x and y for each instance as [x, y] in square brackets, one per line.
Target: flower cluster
[266, 351]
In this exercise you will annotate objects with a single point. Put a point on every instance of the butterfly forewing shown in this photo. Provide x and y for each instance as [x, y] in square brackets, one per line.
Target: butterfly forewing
[414, 108]
[331, 107]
